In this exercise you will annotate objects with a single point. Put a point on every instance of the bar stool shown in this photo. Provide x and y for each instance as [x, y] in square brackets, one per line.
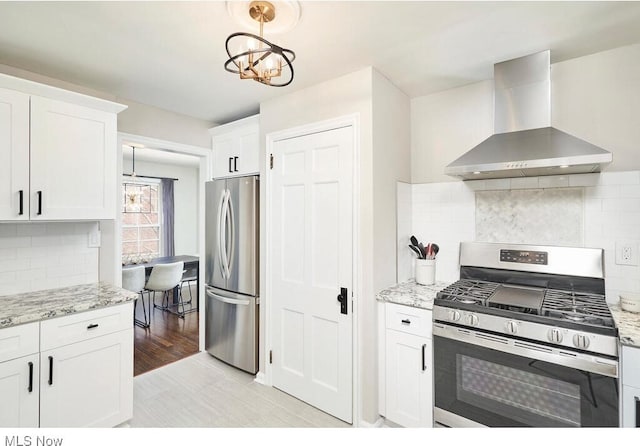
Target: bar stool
[164, 277]
[133, 280]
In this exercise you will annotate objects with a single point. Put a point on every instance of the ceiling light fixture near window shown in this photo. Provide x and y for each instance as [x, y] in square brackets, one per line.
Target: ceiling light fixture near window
[252, 56]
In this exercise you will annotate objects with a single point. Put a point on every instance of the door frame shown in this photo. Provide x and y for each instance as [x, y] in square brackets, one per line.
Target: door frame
[353, 121]
[110, 262]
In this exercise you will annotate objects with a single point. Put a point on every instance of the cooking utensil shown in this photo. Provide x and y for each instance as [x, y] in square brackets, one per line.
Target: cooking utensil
[435, 249]
[427, 253]
[422, 250]
[414, 241]
[416, 250]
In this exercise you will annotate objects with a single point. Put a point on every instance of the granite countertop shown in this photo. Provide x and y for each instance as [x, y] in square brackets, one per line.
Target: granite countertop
[628, 324]
[16, 309]
[411, 294]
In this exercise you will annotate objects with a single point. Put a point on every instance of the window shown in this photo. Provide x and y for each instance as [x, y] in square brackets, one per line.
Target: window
[141, 220]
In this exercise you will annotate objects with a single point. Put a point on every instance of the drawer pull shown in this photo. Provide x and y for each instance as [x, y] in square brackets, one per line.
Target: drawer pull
[406, 321]
[424, 350]
[50, 370]
[637, 411]
[90, 326]
[30, 377]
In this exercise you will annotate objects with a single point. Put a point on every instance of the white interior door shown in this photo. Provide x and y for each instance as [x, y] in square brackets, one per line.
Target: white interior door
[311, 230]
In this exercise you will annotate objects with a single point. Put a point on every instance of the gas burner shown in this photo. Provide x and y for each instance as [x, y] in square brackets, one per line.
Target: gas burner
[577, 307]
[467, 300]
[465, 291]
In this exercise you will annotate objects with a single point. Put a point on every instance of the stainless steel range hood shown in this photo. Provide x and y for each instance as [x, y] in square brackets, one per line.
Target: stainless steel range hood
[524, 143]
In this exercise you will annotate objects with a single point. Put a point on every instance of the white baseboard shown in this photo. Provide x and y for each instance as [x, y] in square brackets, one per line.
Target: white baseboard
[378, 423]
[260, 378]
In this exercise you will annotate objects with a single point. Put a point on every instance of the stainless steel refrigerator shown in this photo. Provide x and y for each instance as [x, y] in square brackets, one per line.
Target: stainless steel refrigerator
[232, 305]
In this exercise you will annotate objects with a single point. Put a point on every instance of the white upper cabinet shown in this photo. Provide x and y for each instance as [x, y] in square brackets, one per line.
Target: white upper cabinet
[58, 154]
[236, 148]
[14, 155]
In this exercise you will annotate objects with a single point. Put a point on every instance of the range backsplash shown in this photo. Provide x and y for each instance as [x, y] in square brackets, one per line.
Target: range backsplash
[602, 209]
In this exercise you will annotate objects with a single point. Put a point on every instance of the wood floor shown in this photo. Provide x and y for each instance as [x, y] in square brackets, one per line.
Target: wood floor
[169, 339]
[201, 391]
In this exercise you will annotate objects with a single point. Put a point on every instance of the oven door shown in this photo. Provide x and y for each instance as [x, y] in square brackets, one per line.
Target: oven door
[489, 380]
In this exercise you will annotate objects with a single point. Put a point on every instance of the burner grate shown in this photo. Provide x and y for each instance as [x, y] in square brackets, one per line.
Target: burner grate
[468, 291]
[577, 307]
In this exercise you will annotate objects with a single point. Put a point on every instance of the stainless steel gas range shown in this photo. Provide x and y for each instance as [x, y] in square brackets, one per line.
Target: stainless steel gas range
[525, 338]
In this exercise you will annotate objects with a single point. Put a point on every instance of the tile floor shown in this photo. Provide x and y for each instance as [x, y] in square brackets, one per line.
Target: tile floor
[200, 391]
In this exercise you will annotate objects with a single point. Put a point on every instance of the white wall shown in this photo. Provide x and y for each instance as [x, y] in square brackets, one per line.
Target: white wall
[39, 256]
[137, 119]
[186, 192]
[595, 97]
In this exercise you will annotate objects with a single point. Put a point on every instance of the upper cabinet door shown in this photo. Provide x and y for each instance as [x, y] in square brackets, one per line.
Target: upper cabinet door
[73, 161]
[236, 148]
[14, 155]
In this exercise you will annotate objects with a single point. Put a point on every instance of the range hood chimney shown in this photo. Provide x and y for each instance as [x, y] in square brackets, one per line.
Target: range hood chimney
[524, 143]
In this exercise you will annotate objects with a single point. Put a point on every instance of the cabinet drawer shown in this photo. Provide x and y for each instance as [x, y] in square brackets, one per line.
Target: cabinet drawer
[18, 341]
[86, 325]
[630, 366]
[408, 319]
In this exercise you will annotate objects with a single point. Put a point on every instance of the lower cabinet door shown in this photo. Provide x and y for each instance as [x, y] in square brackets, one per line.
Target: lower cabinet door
[409, 376]
[89, 383]
[630, 406]
[19, 379]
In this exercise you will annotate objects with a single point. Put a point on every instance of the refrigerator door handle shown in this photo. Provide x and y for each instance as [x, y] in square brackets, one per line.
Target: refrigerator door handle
[220, 235]
[227, 300]
[232, 233]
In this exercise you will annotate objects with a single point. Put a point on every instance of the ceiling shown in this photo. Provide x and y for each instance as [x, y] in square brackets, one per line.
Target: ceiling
[160, 156]
[171, 54]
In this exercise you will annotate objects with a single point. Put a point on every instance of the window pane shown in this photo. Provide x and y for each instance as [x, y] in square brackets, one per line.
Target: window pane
[129, 218]
[141, 222]
[129, 234]
[149, 233]
[149, 247]
[129, 248]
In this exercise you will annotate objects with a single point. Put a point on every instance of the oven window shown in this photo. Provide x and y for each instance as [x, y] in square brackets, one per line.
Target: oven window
[522, 396]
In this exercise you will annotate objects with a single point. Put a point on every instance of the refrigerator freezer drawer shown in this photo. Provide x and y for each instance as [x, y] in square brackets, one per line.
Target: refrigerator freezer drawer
[231, 329]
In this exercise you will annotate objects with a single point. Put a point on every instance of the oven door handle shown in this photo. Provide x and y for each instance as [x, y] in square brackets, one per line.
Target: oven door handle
[565, 358]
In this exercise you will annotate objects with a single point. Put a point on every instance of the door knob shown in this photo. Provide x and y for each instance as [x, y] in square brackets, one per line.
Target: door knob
[342, 298]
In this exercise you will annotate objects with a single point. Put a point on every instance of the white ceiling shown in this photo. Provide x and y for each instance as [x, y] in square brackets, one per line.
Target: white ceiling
[171, 54]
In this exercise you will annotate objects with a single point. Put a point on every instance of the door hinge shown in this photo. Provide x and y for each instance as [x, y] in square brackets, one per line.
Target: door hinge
[270, 356]
[271, 161]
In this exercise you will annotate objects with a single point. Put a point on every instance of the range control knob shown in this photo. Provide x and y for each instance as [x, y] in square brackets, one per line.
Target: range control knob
[454, 315]
[581, 341]
[555, 336]
[472, 320]
[511, 327]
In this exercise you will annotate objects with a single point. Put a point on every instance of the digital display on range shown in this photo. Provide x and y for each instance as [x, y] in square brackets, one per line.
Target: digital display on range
[532, 257]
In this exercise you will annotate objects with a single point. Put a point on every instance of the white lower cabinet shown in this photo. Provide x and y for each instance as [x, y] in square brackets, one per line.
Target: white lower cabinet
[630, 400]
[406, 383]
[71, 371]
[19, 390]
[89, 383]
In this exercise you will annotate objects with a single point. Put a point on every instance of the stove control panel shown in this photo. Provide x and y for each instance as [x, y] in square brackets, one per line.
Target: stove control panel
[532, 257]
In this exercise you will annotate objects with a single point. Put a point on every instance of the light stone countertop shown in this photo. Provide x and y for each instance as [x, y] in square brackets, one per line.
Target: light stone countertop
[16, 309]
[411, 294]
[628, 324]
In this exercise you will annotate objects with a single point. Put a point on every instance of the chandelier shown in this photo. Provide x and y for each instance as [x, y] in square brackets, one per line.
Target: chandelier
[259, 59]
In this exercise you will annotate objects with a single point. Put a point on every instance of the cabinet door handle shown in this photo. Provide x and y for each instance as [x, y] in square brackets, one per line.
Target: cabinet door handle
[406, 321]
[637, 411]
[50, 370]
[21, 211]
[39, 202]
[424, 354]
[230, 160]
[30, 376]
[235, 163]
[90, 326]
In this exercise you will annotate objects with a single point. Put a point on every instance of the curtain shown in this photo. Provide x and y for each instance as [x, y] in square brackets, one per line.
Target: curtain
[168, 240]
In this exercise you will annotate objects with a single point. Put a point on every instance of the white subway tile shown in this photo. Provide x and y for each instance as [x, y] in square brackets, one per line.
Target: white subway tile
[602, 192]
[585, 179]
[31, 229]
[629, 177]
[554, 181]
[525, 183]
[15, 242]
[45, 284]
[7, 277]
[621, 205]
[31, 275]
[475, 184]
[77, 279]
[630, 191]
[7, 289]
[8, 253]
[14, 265]
[498, 184]
[8, 229]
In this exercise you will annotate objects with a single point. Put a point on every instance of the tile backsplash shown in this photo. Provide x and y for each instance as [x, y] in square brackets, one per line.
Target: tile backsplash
[541, 216]
[38, 256]
[590, 210]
